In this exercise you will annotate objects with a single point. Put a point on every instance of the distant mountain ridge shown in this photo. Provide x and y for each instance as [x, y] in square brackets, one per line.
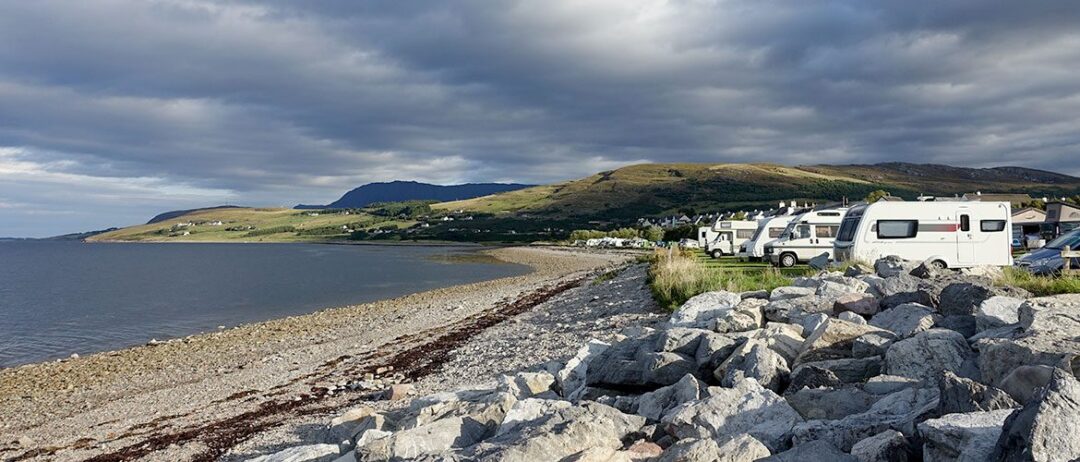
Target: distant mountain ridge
[179, 213]
[397, 191]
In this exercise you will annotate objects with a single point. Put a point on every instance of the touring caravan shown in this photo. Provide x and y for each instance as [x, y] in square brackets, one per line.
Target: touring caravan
[768, 230]
[806, 236]
[954, 234]
[729, 235]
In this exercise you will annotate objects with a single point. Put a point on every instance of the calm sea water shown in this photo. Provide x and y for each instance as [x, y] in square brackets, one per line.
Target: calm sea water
[59, 298]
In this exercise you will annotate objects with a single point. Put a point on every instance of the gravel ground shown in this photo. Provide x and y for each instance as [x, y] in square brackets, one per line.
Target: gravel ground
[195, 398]
[553, 330]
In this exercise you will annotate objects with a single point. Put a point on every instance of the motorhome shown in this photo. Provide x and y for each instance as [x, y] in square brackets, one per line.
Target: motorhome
[705, 236]
[729, 236]
[768, 230]
[807, 236]
[953, 234]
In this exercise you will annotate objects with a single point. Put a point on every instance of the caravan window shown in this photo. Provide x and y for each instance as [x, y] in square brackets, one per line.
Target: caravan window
[744, 233]
[847, 229]
[775, 232]
[897, 229]
[991, 226]
[802, 232]
[826, 231]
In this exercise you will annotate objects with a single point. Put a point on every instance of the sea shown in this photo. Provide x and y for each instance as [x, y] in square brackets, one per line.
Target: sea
[62, 298]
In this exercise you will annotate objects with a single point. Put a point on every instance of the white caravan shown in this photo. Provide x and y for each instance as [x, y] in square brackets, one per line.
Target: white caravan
[768, 230]
[705, 235]
[955, 234]
[730, 234]
[806, 236]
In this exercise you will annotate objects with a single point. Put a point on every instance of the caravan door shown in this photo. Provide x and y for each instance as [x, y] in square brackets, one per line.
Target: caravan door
[965, 239]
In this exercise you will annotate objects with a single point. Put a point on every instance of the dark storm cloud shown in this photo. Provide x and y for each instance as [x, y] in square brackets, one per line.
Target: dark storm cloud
[140, 105]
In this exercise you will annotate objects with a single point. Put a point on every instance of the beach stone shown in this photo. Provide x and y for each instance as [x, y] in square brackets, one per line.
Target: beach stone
[888, 384]
[713, 349]
[399, 391]
[811, 451]
[1050, 336]
[812, 376]
[848, 370]
[754, 360]
[746, 408]
[644, 450]
[963, 437]
[741, 447]
[905, 320]
[858, 303]
[926, 355]
[961, 395]
[571, 379]
[666, 368]
[1025, 382]
[830, 403]
[887, 446]
[891, 265]
[558, 434]
[346, 426]
[898, 411]
[748, 315]
[309, 453]
[997, 311]
[700, 309]
[832, 340]
[851, 317]
[1045, 428]
[872, 344]
[790, 292]
[653, 405]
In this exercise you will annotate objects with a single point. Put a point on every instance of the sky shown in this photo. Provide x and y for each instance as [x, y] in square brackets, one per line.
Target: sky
[114, 110]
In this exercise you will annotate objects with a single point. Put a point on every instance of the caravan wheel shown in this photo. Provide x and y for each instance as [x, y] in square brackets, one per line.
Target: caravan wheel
[939, 264]
[717, 253]
[788, 260]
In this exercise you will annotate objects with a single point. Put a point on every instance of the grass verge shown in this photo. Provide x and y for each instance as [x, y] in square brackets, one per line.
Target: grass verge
[676, 276]
[1040, 285]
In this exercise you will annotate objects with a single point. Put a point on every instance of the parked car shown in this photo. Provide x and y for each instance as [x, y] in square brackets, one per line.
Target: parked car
[949, 234]
[1047, 260]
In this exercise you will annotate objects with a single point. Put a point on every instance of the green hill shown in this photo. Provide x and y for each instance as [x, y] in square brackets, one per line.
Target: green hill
[657, 189]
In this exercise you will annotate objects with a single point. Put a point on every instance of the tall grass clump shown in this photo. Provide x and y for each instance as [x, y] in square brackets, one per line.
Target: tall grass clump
[1040, 285]
[675, 277]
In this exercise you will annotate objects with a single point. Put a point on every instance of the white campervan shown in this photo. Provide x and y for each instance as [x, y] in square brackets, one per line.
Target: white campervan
[807, 236]
[954, 234]
[768, 230]
[705, 236]
[729, 235]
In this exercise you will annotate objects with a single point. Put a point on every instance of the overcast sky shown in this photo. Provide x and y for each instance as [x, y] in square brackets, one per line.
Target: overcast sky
[111, 111]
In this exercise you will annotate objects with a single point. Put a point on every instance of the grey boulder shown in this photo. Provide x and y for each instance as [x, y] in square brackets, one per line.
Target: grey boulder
[700, 309]
[899, 411]
[997, 312]
[811, 451]
[754, 360]
[959, 395]
[1045, 429]
[887, 446]
[739, 448]
[746, 408]
[905, 320]
[968, 437]
[926, 355]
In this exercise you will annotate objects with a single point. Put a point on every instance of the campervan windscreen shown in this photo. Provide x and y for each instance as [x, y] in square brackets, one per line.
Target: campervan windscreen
[1072, 240]
[847, 229]
[787, 231]
[757, 233]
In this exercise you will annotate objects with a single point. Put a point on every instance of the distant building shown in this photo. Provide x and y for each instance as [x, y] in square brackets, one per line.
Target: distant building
[1017, 200]
[1060, 218]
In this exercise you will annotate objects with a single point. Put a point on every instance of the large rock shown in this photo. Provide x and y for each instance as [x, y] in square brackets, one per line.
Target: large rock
[529, 410]
[309, 453]
[893, 265]
[960, 395]
[898, 290]
[794, 309]
[699, 310]
[847, 370]
[746, 408]
[681, 340]
[740, 448]
[851, 317]
[526, 384]
[964, 297]
[557, 435]
[997, 312]
[836, 286]
[858, 269]
[748, 315]
[905, 320]
[1025, 382]
[819, 262]
[1050, 335]
[887, 446]
[623, 363]
[434, 437]
[571, 379]
[790, 292]
[969, 437]
[1045, 429]
[961, 323]
[754, 360]
[926, 355]
[345, 427]
[889, 384]
[927, 270]
[861, 303]
[830, 403]
[785, 339]
[665, 368]
[811, 451]
[713, 349]
[873, 344]
[832, 340]
[653, 405]
[898, 411]
[811, 376]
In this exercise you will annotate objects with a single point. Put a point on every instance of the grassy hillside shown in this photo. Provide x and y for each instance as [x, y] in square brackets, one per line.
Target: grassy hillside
[657, 189]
